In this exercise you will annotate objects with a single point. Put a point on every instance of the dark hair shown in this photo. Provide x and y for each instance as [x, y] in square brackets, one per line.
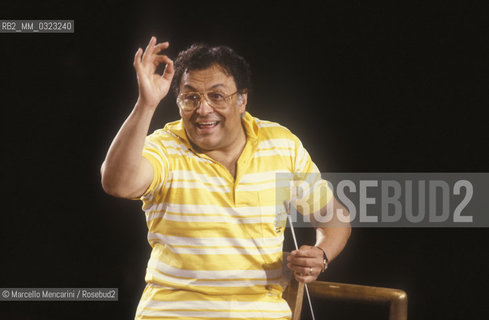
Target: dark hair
[201, 56]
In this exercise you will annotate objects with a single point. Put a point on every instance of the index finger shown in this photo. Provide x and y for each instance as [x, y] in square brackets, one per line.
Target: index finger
[160, 46]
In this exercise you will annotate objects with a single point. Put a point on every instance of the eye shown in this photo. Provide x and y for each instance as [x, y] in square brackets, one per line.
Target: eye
[216, 96]
[192, 97]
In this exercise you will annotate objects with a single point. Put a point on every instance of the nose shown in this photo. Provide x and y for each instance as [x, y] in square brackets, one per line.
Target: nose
[204, 108]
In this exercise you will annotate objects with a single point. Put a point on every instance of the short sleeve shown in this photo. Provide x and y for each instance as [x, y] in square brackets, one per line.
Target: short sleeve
[312, 192]
[155, 153]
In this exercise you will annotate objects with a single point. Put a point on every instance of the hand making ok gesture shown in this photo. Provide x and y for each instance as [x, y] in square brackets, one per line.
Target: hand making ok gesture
[153, 87]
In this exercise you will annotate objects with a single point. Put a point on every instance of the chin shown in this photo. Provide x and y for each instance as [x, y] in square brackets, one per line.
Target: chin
[207, 144]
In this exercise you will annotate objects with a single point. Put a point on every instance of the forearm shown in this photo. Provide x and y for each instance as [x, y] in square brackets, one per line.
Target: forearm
[333, 236]
[122, 169]
[307, 262]
[332, 240]
[125, 173]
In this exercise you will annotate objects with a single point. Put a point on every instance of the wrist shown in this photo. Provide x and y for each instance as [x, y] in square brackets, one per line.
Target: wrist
[325, 259]
[145, 106]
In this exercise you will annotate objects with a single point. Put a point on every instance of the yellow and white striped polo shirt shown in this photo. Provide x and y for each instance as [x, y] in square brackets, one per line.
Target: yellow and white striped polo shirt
[217, 247]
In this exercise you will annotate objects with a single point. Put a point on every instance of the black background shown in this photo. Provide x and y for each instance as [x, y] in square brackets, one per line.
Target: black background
[367, 86]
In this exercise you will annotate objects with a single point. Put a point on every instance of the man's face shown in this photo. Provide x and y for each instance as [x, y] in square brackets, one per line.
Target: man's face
[207, 128]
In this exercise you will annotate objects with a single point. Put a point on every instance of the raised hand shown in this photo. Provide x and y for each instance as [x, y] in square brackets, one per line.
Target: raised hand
[153, 87]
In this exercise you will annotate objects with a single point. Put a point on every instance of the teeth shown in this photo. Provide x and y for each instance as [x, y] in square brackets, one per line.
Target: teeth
[207, 123]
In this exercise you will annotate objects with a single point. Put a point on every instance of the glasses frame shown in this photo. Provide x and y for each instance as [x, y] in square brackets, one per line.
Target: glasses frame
[202, 96]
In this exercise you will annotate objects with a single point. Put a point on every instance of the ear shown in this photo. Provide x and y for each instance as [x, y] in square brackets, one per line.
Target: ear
[242, 101]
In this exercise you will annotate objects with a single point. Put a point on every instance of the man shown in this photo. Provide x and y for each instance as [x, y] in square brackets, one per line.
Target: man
[206, 182]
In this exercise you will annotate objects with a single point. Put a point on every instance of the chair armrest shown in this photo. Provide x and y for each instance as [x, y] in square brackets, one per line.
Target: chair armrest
[395, 298]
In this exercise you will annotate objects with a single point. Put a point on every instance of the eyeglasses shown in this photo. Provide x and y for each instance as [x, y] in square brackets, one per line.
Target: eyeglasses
[189, 101]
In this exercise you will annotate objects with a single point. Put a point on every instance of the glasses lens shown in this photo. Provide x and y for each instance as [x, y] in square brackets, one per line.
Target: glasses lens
[189, 101]
[216, 99]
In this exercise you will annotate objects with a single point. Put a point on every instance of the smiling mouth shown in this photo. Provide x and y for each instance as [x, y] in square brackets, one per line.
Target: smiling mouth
[207, 124]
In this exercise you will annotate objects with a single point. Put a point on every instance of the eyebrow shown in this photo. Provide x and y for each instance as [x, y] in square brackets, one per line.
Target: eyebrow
[187, 86]
[218, 85]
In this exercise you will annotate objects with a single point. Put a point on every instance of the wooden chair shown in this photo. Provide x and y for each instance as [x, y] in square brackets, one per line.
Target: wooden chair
[395, 298]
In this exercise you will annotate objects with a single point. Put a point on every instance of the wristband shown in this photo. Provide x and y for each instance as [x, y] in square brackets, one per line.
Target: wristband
[325, 260]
